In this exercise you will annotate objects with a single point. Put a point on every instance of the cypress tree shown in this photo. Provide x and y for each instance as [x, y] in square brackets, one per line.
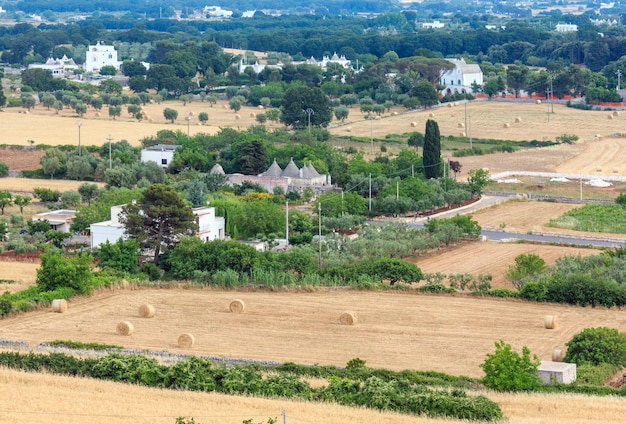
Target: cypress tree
[432, 150]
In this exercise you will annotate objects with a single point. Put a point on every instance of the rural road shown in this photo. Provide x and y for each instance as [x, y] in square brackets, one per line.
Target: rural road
[501, 235]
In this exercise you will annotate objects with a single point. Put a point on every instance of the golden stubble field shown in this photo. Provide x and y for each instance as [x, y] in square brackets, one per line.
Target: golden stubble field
[42, 398]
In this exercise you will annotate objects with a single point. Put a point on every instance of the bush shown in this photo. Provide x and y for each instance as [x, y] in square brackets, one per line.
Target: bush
[152, 271]
[505, 370]
[597, 346]
[4, 169]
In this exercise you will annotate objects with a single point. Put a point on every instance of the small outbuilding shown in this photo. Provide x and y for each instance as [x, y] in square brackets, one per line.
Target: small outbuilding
[556, 372]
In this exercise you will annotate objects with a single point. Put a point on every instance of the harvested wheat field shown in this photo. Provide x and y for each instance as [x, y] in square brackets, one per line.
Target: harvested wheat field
[42, 398]
[23, 274]
[493, 258]
[45, 127]
[27, 185]
[450, 334]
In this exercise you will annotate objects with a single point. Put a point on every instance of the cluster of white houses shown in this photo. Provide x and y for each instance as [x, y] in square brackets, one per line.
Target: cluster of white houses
[210, 226]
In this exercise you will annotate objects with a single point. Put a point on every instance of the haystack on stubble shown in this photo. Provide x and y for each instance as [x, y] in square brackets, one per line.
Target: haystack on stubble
[186, 340]
[125, 328]
[147, 311]
[236, 306]
[550, 322]
[348, 318]
[557, 355]
[59, 305]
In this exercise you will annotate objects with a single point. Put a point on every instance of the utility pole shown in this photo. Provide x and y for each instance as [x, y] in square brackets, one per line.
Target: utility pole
[551, 94]
[319, 231]
[287, 221]
[370, 207]
[548, 98]
[371, 133]
[619, 79]
[309, 112]
[79, 124]
[109, 139]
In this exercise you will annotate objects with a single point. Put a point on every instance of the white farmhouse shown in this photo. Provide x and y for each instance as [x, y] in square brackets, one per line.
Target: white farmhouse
[161, 154]
[210, 227]
[566, 28]
[59, 68]
[59, 220]
[101, 55]
[461, 78]
[433, 25]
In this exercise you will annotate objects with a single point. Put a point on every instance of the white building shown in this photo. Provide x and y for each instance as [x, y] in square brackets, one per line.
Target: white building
[433, 25]
[101, 55]
[557, 372]
[210, 227]
[59, 220]
[461, 78]
[566, 28]
[161, 154]
[59, 68]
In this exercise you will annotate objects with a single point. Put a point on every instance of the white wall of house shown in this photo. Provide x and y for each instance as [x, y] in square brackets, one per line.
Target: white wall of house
[210, 227]
[160, 154]
[101, 55]
[462, 76]
[110, 231]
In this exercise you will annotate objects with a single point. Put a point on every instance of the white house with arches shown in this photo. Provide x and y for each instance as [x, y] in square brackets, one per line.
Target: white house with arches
[101, 55]
[462, 77]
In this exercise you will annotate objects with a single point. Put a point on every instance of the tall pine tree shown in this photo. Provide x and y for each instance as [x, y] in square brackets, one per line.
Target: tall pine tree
[432, 150]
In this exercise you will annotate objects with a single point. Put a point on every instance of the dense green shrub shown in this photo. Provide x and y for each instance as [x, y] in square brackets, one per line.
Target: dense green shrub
[597, 346]
[506, 370]
[57, 271]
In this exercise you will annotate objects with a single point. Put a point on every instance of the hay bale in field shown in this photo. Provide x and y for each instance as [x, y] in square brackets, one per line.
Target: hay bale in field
[507, 125]
[225, 107]
[615, 170]
[557, 355]
[461, 125]
[125, 328]
[394, 113]
[59, 305]
[186, 340]
[538, 102]
[550, 322]
[147, 311]
[518, 120]
[377, 118]
[610, 117]
[97, 114]
[431, 115]
[349, 129]
[237, 116]
[348, 318]
[598, 169]
[261, 107]
[252, 115]
[236, 306]
[615, 113]
[453, 114]
[414, 124]
[463, 134]
[449, 104]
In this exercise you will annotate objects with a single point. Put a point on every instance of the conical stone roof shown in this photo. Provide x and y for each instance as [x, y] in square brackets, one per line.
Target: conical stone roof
[291, 170]
[273, 171]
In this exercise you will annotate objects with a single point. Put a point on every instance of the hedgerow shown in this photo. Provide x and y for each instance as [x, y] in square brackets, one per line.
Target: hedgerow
[360, 386]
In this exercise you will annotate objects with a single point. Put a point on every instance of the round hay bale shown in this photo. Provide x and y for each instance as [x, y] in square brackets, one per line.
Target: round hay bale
[461, 125]
[538, 102]
[431, 115]
[252, 115]
[394, 113]
[186, 340]
[557, 355]
[610, 117]
[348, 318]
[598, 169]
[453, 114]
[237, 116]
[59, 305]
[615, 113]
[377, 118]
[97, 114]
[125, 328]
[507, 125]
[615, 170]
[414, 124]
[349, 129]
[147, 311]
[449, 104]
[236, 306]
[518, 120]
[550, 322]
[456, 103]
[261, 107]
[463, 134]
[225, 107]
